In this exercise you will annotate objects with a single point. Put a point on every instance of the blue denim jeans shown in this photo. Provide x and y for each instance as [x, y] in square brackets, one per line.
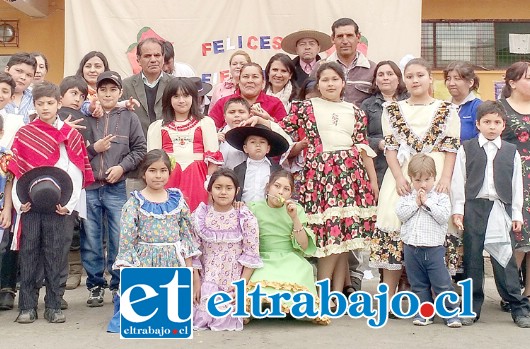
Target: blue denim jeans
[105, 202]
[426, 271]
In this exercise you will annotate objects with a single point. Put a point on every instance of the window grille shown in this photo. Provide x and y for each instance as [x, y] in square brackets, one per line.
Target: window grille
[486, 44]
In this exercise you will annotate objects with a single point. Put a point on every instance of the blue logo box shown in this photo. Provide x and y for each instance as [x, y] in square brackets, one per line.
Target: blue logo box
[156, 303]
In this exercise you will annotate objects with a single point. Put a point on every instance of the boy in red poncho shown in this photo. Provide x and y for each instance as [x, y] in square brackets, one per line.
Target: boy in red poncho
[46, 142]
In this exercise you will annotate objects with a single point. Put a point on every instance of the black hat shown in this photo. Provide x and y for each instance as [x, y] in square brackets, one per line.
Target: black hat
[109, 75]
[45, 187]
[202, 87]
[236, 138]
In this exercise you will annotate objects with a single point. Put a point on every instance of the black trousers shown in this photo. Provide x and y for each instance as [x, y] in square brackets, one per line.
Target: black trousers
[476, 214]
[66, 267]
[9, 265]
[43, 240]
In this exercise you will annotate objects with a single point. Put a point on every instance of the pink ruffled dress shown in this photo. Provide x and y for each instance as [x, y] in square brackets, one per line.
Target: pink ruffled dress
[228, 241]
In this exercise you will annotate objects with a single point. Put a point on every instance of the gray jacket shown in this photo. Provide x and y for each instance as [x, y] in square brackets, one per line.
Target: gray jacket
[127, 149]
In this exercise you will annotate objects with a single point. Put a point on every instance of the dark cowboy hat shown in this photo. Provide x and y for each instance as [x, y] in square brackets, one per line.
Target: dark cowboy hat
[202, 87]
[45, 187]
[236, 138]
[289, 42]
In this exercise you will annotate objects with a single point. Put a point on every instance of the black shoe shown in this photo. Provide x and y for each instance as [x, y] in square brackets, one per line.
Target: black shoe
[392, 316]
[54, 315]
[95, 298]
[64, 304]
[505, 306]
[7, 299]
[27, 316]
[522, 321]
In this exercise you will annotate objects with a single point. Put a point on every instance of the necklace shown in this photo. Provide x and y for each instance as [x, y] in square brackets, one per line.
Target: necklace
[419, 104]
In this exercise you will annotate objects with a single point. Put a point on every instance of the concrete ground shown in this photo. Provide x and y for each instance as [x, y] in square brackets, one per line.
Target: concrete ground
[85, 328]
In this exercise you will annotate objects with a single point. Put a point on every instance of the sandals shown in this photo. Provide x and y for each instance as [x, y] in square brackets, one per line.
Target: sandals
[347, 290]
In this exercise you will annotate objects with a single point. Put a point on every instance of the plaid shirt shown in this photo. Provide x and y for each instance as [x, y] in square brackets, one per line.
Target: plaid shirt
[26, 107]
[425, 225]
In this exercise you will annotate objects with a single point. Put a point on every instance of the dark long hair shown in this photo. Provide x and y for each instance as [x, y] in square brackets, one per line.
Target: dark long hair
[514, 73]
[336, 68]
[401, 89]
[289, 65]
[153, 156]
[223, 172]
[185, 86]
[87, 57]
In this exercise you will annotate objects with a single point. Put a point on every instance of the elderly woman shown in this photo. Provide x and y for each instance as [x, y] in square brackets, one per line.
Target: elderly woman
[280, 79]
[461, 82]
[250, 88]
[229, 86]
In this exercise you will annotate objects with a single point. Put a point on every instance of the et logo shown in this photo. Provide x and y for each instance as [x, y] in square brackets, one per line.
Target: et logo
[156, 303]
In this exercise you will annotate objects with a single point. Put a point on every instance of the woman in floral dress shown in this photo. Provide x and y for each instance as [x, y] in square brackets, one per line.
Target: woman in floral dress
[339, 190]
[516, 102]
[419, 124]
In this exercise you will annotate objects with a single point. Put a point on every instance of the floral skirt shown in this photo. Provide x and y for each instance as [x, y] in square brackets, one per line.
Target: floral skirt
[338, 199]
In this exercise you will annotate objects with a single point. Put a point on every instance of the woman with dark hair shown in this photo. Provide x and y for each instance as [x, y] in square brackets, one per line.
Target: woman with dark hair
[516, 102]
[92, 64]
[250, 88]
[280, 79]
[461, 82]
[387, 86]
[230, 85]
[42, 67]
[189, 138]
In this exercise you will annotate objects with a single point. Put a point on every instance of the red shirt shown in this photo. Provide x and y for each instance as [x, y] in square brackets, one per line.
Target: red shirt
[270, 104]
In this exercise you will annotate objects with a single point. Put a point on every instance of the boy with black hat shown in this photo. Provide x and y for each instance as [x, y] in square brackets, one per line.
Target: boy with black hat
[50, 166]
[258, 142]
[117, 146]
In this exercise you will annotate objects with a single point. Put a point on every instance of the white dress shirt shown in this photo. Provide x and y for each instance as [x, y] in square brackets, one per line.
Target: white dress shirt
[231, 156]
[487, 191]
[256, 178]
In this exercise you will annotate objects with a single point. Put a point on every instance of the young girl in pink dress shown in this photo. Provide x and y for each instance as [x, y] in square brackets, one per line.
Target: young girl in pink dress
[189, 138]
[228, 239]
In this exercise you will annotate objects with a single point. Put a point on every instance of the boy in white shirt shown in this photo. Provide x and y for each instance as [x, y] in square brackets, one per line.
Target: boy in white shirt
[487, 198]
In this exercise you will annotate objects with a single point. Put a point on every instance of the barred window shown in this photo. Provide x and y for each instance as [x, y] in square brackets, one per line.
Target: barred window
[486, 44]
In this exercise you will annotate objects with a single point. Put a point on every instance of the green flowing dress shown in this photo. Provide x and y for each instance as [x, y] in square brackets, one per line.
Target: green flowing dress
[284, 266]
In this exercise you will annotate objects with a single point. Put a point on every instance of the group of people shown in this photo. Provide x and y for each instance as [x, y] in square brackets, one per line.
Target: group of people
[290, 163]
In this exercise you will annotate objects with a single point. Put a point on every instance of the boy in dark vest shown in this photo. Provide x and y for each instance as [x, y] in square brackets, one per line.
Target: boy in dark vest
[487, 199]
[259, 143]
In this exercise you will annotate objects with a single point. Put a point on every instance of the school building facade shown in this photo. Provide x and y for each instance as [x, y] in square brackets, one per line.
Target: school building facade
[490, 33]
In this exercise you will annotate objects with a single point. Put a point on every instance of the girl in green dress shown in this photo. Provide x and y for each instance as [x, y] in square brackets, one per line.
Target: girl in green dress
[284, 240]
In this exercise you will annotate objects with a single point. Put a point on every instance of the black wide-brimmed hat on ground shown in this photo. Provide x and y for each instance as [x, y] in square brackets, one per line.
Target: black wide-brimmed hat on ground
[236, 138]
[45, 187]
